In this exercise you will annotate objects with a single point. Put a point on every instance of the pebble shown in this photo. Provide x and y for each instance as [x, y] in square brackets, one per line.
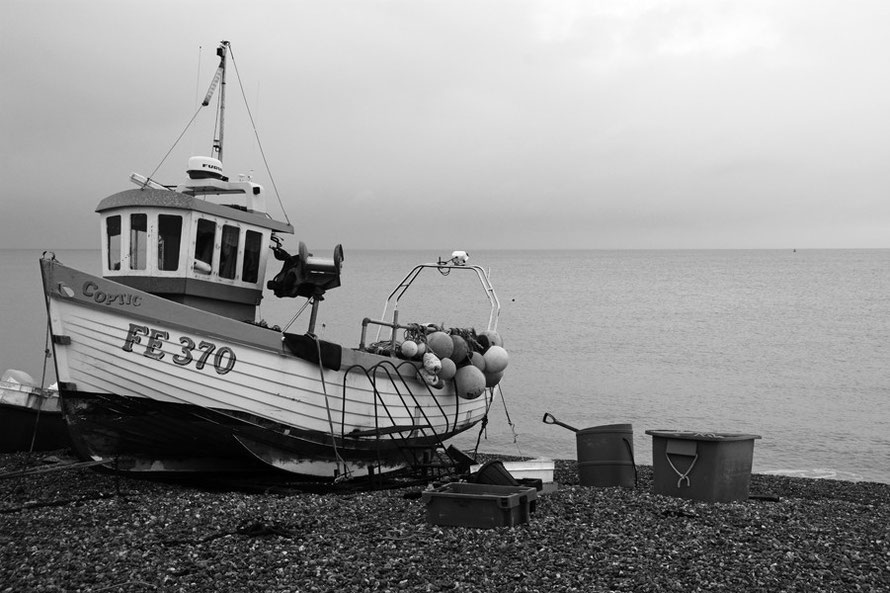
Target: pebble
[81, 530]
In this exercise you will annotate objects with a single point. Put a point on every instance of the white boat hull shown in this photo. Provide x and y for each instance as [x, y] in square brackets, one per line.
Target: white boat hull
[153, 385]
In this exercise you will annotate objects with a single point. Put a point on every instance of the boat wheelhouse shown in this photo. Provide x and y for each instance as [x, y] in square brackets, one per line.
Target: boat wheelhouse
[179, 243]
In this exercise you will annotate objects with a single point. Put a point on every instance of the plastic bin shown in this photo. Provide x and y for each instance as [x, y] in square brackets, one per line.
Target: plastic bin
[493, 472]
[606, 456]
[707, 466]
[533, 468]
[485, 506]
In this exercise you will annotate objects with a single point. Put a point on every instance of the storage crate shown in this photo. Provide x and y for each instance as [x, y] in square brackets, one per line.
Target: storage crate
[535, 483]
[707, 466]
[483, 506]
[533, 468]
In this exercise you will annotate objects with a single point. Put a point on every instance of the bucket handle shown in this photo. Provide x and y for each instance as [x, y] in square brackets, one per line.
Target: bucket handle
[683, 475]
[681, 448]
[549, 419]
[630, 449]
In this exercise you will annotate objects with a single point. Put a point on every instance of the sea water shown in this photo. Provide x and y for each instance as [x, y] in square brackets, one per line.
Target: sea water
[793, 346]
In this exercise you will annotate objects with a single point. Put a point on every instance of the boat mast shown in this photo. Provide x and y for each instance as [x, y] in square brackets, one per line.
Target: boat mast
[219, 79]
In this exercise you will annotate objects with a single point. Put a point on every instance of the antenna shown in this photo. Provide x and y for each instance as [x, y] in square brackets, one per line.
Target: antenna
[219, 79]
[198, 77]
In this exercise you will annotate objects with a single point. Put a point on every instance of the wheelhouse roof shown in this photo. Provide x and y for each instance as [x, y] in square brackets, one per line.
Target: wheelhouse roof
[158, 198]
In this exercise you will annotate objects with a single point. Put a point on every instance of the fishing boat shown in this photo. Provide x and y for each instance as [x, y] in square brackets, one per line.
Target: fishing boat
[164, 366]
[30, 416]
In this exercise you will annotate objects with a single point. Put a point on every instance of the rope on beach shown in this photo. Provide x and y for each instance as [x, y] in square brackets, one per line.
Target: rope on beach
[345, 474]
[46, 355]
[509, 420]
[483, 425]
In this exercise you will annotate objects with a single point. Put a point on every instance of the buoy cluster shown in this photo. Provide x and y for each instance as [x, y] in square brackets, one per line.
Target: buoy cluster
[474, 361]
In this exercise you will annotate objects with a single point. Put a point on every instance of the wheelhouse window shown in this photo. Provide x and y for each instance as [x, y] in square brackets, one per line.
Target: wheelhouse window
[138, 241]
[251, 267]
[228, 255]
[204, 240]
[113, 233]
[169, 239]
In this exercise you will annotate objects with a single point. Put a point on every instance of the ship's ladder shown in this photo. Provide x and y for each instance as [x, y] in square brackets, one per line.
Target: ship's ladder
[418, 443]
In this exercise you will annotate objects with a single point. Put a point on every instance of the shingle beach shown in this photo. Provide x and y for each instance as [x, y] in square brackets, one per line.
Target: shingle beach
[80, 530]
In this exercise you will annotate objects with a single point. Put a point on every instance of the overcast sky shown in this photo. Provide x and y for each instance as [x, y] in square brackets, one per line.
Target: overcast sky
[465, 124]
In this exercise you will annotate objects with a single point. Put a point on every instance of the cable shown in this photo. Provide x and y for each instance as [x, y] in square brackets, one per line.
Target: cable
[187, 126]
[509, 421]
[256, 134]
[340, 460]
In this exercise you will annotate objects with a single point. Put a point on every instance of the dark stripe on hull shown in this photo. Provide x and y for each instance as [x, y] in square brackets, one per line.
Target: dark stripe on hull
[145, 436]
[18, 426]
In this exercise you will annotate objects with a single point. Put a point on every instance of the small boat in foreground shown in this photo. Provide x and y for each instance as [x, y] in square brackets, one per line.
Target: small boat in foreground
[30, 417]
[164, 366]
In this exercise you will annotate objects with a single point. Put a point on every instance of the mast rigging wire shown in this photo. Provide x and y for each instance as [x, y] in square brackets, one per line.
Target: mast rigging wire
[187, 126]
[255, 133]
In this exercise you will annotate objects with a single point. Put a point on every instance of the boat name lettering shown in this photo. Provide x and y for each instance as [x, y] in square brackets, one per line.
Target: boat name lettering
[222, 359]
[91, 290]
